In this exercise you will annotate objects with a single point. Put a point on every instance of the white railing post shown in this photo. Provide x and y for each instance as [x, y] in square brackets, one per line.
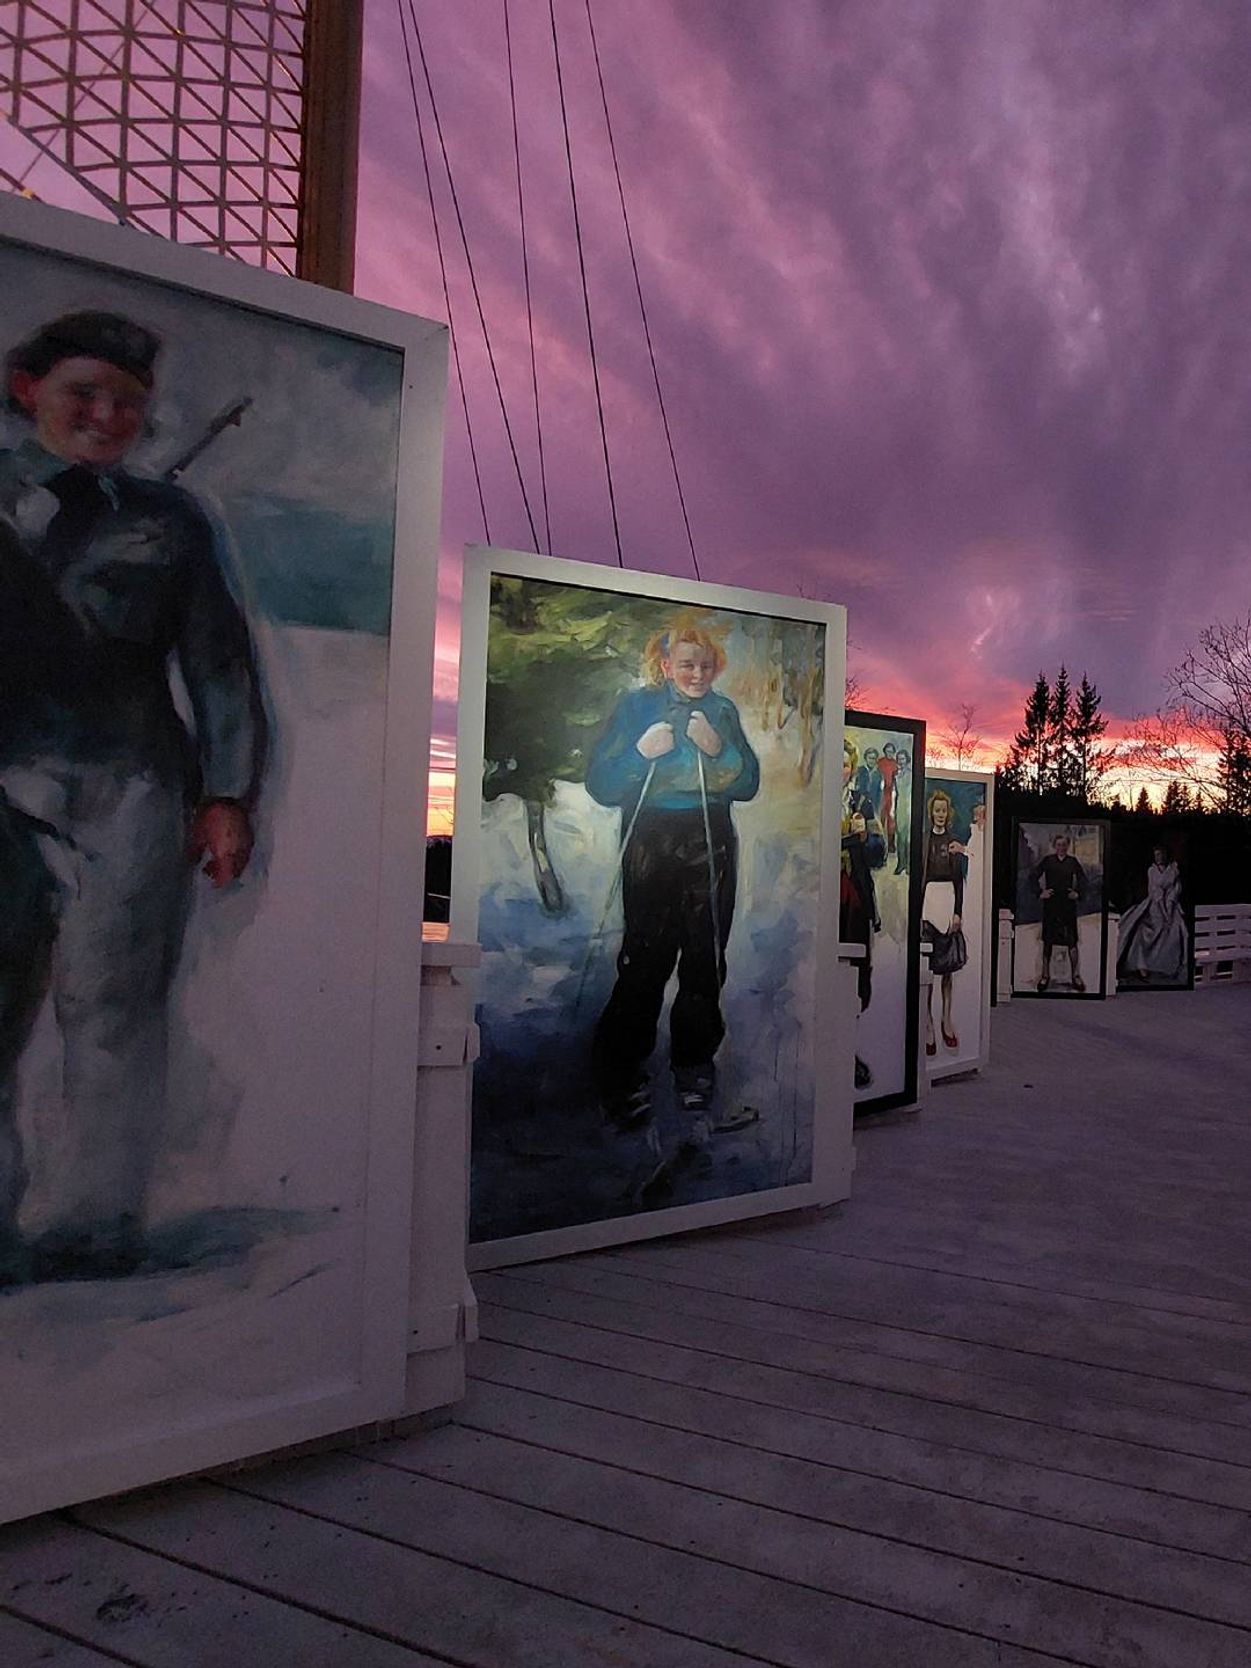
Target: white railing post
[1003, 965]
[1222, 943]
[442, 1309]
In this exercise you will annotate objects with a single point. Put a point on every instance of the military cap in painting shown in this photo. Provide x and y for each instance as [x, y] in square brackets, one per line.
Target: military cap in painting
[109, 336]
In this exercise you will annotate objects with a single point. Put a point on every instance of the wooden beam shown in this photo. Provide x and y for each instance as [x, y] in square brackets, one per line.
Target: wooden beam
[331, 142]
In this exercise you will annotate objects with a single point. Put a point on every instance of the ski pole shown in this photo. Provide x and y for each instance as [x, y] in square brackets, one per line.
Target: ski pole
[746, 1115]
[612, 889]
[712, 868]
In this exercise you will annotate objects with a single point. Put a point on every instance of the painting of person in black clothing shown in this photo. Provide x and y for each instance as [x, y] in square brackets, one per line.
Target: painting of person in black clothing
[942, 912]
[1060, 879]
[109, 796]
[863, 851]
[674, 760]
[1060, 909]
[881, 906]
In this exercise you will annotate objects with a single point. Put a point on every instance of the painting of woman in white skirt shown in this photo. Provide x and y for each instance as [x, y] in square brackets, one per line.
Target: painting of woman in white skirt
[1155, 943]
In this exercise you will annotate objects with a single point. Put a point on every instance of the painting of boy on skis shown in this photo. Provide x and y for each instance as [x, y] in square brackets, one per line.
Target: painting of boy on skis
[673, 758]
[646, 848]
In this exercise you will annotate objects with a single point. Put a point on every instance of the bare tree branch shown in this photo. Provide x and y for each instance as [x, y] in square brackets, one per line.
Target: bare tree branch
[1212, 686]
[960, 738]
[1169, 746]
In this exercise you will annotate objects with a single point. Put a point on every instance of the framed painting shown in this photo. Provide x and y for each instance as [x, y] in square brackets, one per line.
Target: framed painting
[645, 848]
[218, 536]
[883, 771]
[1059, 942]
[1149, 885]
[958, 843]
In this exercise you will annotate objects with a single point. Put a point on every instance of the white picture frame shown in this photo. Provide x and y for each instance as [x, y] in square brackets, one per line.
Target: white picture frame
[831, 1160]
[188, 1383]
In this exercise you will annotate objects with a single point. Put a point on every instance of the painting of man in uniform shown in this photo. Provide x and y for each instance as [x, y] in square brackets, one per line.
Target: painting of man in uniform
[1059, 937]
[196, 534]
[108, 797]
[650, 875]
[880, 899]
[1148, 886]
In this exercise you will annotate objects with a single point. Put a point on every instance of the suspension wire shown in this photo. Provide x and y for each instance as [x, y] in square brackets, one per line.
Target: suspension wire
[586, 294]
[447, 294]
[473, 280]
[525, 269]
[638, 285]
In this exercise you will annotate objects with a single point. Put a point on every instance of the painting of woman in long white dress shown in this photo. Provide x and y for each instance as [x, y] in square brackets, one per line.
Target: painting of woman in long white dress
[1154, 946]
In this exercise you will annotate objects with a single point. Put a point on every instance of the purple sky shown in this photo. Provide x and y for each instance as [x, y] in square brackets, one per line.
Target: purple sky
[950, 302]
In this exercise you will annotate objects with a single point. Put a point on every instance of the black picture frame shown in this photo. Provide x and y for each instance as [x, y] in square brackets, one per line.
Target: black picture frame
[905, 1033]
[1032, 839]
[1129, 864]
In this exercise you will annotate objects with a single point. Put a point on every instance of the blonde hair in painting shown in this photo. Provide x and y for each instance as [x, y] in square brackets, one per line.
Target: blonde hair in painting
[684, 628]
[851, 753]
[940, 793]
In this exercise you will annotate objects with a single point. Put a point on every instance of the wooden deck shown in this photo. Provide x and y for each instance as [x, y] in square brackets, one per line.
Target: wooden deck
[995, 1411]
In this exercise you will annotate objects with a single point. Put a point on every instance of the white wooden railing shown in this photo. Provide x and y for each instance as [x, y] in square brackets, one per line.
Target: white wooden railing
[1222, 943]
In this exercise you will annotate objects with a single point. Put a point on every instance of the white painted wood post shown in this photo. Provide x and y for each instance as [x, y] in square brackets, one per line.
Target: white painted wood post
[1109, 962]
[1003, 966]
[443, 1312]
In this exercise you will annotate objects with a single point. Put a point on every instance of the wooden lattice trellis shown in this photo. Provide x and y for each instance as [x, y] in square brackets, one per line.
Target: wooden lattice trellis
[187, 118]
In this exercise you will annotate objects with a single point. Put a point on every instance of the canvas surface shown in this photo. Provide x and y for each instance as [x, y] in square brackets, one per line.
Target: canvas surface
[203, 1258]
[1149, 887]
[1075, 915]
[963, 1013]
[880, 862]
[607, 879]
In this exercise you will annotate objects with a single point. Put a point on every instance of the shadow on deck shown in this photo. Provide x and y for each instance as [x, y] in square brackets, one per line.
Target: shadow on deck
[995, 1410]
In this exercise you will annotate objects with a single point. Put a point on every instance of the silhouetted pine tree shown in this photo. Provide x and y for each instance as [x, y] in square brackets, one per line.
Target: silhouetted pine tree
[1029, 758]
[1063, 766]
[1088, 725]
[1235, 772]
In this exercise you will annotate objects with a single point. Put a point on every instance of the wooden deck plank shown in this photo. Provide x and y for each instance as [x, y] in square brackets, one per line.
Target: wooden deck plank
[23, 1645]
[637, 1346]
[135, 1607]
[1097, 1586]
[1013, 1540]
[710, 1292]
[1138, 1513]
[983, 1284]
[990, 1258]
[937, 1388]
[371, 1578]
[1119, 1336]
[794, 1623]
[1061, 1248]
